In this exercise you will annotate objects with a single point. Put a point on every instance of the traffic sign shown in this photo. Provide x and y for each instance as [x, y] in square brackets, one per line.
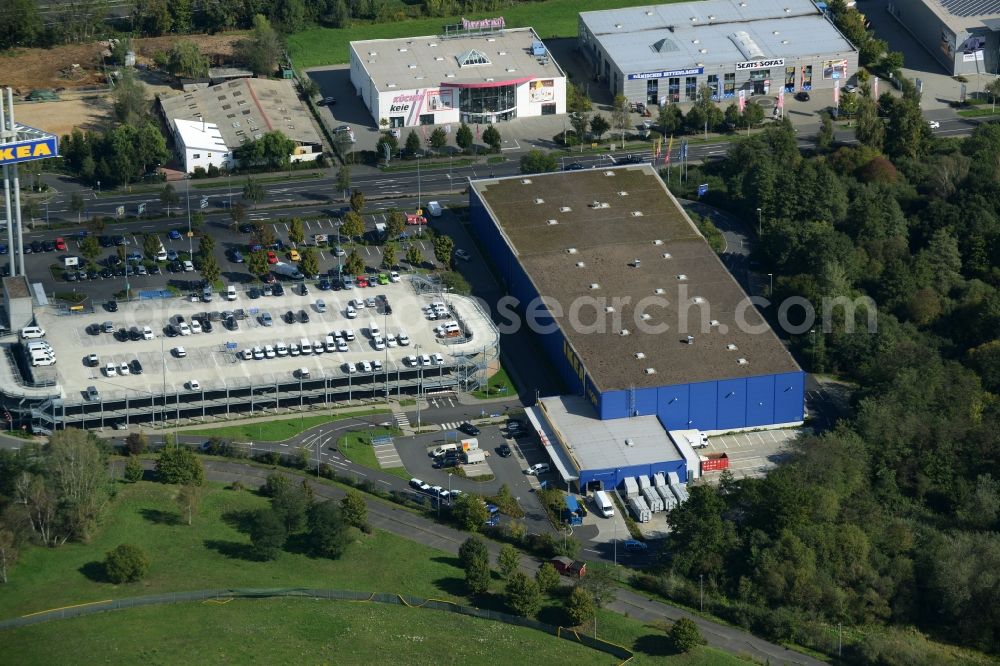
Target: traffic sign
[142, 208]
[190, 234]
[702, 190]
[204, 202]
[420, 211]
[121, 211]
[230, 346]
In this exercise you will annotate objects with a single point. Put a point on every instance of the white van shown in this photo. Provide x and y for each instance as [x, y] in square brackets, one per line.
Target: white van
[39, 357]
[305, 346]
[603, 504]
[32, 332]
[443, 449]
[71, 262]
[230, 293]
[331, 344]
[374, 330]
[434, 209]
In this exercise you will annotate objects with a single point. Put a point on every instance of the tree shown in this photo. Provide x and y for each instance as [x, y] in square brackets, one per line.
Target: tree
[289, 15]
[470, 512]
[389, 256]
[262, 233]
[753, 114]
[188, 500]
[20, 23]
[267, 534]
[90, 248]
[290, 503]
[137, 443]
[522, 595]
[344, 179]
[475, 560]
[355, 510]
[621, 116]
[10, 548]
[825, 136]
[547, 578]
[993, 89]
[130, 102]
[127, 563]
[185, 60]
[576, 99]
[491, 137]
[463, 137]
[206, 244]
[133, 469]
[353, 225]
[77, 471]
[438, 139]
[253, 192]
[262, 50]
[309, 263]
[358, 203]
[670, 119]
[296, 231]
[538, 161]
[443, 247]
[580, 121]
[508, 560]
[257, 263]
[602, 585]
[580, 606]
[599, 126]
[870, 129]
[395, 224]
[414, 256]
[209, 270]
[412, 143]
[238, 213]
[150, 245]
[179, 465]
[386, 147]
[328, 534]
[77, 204]
[354, 264]
[685, 636]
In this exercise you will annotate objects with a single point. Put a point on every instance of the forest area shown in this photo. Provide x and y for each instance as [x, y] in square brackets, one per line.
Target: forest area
[888, 523]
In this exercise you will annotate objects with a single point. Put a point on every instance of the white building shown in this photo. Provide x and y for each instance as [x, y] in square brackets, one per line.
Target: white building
[477, 73]
[200, 144]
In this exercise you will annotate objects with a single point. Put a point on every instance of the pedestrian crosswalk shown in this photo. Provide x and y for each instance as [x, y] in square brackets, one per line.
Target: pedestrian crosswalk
[441, 402]
[401, 419]
[450, 425]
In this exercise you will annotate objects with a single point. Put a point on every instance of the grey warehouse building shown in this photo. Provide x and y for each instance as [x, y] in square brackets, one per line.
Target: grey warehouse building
[661, 54]
[960, 34]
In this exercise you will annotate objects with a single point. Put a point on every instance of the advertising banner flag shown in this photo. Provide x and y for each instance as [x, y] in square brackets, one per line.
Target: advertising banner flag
[743, 100]
[875, 88]
[670, 148]
[781, 100]
[836, 93]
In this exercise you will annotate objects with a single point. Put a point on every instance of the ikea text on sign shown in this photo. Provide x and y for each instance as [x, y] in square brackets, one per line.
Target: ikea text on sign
[25, 151]
[760, 64]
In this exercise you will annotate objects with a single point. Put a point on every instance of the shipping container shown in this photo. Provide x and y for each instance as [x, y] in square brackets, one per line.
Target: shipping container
[639, 509]
[669, 501]
[658, 480]
[714, 462]
[630, 487]
[653, 499]
[473, 456]
[680, 492]
[643, 482]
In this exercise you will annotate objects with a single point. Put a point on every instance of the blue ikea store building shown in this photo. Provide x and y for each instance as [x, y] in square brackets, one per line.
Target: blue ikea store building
[634, 310]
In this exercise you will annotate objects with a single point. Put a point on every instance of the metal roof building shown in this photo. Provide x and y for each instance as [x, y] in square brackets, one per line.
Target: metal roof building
[661, 54]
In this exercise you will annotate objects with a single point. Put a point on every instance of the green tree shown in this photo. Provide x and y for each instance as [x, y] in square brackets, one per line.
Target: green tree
[414, 256]
[353, 225]
[253, 192]
[470, 512]
[296, 231]
[389, 256]
[358, 203]
[825, 136]
[621, 116]
[179, 465]
[685, 636]
[463, 138]
[354, 264]
[870, 129]
[257, 263]
[137, 443]
[580, 606]
[577, 100]
[20, 23]
[670, 119]
[438, 139]
[355, 509]
[580, 121]
[395, 224]
[344, 179]
[77, 471]
[508, 560]
[77, 204]
[412, 143]
[602, 583]
[90, 248]
[993, 90]
[386, 142]
[538, 161]
[599, 126]
[188, 500]
[262, 233]
[328, 535]
[491, 137]
[291, 503]
[522, 596]
[267, 534]
[11, 539]
[131, 105]
[753, 114]
[238, 214]
[289, 15]
[309, 263]
[126, 563]
[185, 60]
[262, 50]
[475, 560]
[206, 245]
[547, 578]
[443, 248]
[209, 270]
[150, 245]
[133, 469]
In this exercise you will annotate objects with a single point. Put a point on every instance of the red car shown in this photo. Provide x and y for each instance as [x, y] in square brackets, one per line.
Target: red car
[416, 219]
[272, 258]
[60, 244]
[361, 281]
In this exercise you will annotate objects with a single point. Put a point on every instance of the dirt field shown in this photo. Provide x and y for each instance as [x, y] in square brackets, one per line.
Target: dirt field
[63, 116]
[27, 69]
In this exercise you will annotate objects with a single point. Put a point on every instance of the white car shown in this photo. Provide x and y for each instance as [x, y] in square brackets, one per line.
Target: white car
[535, 470]
[349, 334]
[390, 342]
[434, 208]
[365, 366]
[320, 305]
[123, 369]
[394, 276]
[438, 359]
[188, 266]
[195, 326]
[194, 385]
[351, 313]
[246, 354]
[32, 332]
[425, 360]
[231, 293]
[416, 483]
[293, 350]
[180, 352]
[377, 364]
[410, 361]
[147, 333]
[184, 328]
[349, 368]
[341, 345]
[933, 124]
[111, 370]
[281, 349]
[378, 344]
[403, 338]
[258, 353]
[269, 351]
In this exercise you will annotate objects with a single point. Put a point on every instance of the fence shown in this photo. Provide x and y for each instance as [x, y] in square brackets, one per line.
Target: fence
[79, 610]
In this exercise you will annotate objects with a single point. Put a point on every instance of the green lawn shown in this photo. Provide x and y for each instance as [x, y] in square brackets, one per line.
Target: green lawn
[977, 113]
[553, 18]
[497, 381]
[287, 631]
[280, 430]
[356, 447]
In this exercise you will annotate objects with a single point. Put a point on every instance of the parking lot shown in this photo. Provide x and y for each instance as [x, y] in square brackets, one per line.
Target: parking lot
[751, 454]
[212, 360]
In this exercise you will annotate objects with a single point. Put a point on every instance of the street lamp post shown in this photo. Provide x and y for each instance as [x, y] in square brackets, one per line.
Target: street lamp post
[770, 289]
[98, 188]
[419, 188]
[187, 193]
[759, 227]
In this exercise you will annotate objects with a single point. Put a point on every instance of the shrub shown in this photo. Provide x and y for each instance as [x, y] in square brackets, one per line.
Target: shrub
[126, 564]
[580, 606]
[133, 469]
[179, 465]
[685, 635]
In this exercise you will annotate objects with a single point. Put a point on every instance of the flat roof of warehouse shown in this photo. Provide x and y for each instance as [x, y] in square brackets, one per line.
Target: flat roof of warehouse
[605, 219]
[712, 32]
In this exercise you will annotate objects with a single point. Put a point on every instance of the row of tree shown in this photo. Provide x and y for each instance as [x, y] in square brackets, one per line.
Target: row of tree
[437, 140]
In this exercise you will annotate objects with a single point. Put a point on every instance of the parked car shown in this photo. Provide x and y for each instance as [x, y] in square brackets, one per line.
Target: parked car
[469, 429]
[463, 255]
[537, 469]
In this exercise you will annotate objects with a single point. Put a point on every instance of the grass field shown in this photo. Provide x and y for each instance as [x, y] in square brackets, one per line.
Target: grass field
[280, 430]
[356, 447]
[500, 379]
[553, 18]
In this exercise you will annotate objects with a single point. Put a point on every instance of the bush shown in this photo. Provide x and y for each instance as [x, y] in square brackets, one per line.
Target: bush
[133, 469]
[685, 635]
[199, 172]
[522, 595]
[267, 534]
[547, 578]
[180, 466]
[580, 606]
[126, 564]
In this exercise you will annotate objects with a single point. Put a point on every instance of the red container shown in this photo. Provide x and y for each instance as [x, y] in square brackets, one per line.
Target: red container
[714, 462]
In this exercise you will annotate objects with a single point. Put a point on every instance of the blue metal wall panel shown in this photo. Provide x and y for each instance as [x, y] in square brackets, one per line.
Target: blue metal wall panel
[760, 401]
[614, 405]
[701, 406]
[732, 405]
[789, 397]
[672, 406]
[645, 401]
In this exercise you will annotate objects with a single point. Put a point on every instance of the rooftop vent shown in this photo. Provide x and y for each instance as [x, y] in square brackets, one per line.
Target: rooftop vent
[714, 323]
[623, 193]
[731, 347]
[650, 371]
[511, 69]
[702, 51]
[565, 209]
[689, 339]
[657, 242]
[639, 355]
[694, 19]
[439, 58]
[571, 250]
[696, 41]
[411, 66]
[526, 181]
[432, 44]
[580, 264]
[697, 299]
[449, 75]
[609, 309]
[501, 53]
[742, 361]
[623, 332]
[646, 316]
[551, 222]
[682, 277]
[637, 263]
[711, 17]
[787, 10]
[373, 53]
[594, 286]
[402, 49]
[658, 290]
[667, 255]
[618, 25]
[609, 173]
[649, 13]
[784, 41]
[637, 213]
[629, 441]
[539, 200]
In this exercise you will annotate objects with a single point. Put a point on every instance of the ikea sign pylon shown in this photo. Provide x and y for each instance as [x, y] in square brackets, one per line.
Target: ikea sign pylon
[26, 151]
